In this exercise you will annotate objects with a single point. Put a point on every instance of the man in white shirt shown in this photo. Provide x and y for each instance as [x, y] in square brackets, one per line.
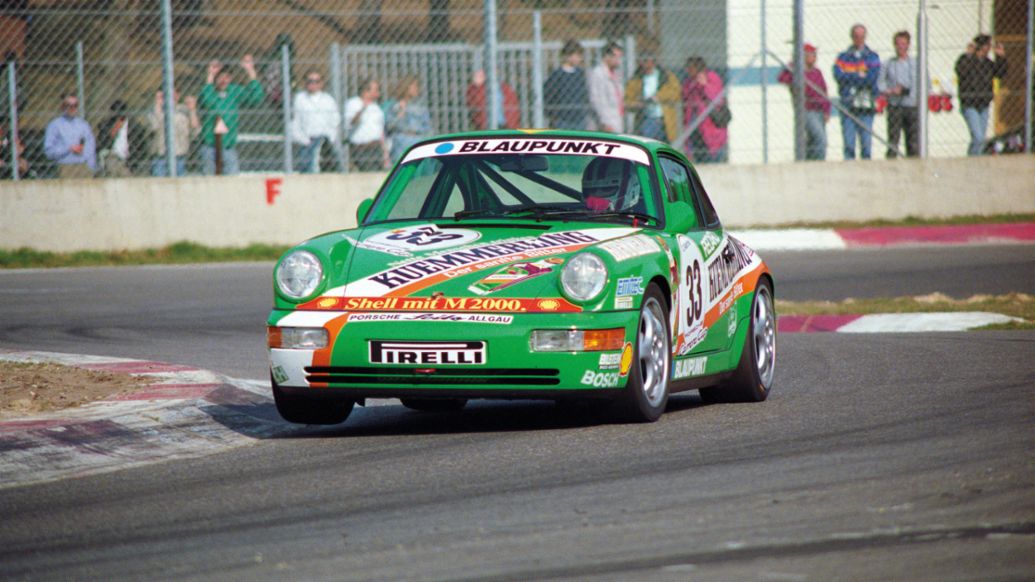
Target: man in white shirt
[365, 122]
[316, 121]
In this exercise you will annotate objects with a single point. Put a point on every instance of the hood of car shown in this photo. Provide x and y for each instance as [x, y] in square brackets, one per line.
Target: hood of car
[451, 260]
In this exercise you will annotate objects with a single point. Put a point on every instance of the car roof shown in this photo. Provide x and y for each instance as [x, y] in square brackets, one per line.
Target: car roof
[648, 143]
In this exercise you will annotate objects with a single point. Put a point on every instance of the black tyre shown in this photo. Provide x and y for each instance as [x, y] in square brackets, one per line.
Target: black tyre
[753, 378]
[434, 404]
[302, 410]
[646, 392]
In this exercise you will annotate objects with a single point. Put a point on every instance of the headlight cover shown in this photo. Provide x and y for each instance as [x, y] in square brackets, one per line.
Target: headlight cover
[299, 274]
[584, 277]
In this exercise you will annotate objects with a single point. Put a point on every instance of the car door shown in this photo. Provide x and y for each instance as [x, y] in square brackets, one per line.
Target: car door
[700, 326]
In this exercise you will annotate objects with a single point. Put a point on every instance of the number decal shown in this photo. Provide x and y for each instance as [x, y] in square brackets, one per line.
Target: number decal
[693, 285]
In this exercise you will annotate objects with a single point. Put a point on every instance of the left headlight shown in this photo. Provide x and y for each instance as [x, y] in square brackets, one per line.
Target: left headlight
[298, 274]
[584, 277]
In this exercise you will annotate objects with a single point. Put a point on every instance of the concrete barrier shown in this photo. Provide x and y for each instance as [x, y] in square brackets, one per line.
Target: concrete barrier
[115, 214]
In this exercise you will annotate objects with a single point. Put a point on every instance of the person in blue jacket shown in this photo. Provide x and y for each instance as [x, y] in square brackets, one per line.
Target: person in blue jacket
[856, 71]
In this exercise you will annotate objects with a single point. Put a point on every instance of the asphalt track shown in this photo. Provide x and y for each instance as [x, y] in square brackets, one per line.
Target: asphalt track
[878, 457]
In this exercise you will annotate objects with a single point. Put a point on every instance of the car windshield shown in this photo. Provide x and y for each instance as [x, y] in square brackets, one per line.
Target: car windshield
[480, 183]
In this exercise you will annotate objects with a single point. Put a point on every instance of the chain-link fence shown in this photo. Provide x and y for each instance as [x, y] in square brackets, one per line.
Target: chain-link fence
[345, 85]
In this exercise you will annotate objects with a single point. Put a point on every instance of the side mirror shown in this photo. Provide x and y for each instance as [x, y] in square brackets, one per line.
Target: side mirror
[363, 209]
[681, 217]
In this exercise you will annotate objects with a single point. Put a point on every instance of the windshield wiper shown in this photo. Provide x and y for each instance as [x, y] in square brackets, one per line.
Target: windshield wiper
[635, 216]
[536, 210]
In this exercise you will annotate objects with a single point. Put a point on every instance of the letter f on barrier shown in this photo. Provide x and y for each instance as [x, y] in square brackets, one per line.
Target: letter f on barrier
[273, 189]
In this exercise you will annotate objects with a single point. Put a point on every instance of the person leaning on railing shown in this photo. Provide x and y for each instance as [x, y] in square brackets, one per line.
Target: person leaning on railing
[69, 141]
[976, 73]
[221, 102]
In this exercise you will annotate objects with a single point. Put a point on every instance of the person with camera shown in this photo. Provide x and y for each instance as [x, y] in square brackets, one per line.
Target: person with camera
[897, 83]
[856, 70]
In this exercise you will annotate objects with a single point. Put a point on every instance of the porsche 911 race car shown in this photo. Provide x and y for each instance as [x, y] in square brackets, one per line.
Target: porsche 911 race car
[540, 265]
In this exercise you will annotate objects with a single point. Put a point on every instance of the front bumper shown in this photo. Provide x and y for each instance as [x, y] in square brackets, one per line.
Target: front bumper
[508, 367]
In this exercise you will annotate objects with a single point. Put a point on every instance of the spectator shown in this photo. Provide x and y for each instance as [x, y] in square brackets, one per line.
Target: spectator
[606, 90]
[221, 102]
[976, 72]
[702, 89]
[120, 142]
[817, 105]
[316, 122]
[564, 93]
[186, 126]
[856, 71]
[24, 169]
[365, 123]
[68, 141]
[897, 82]
[477, 104]
[409, 120]
[653, 94]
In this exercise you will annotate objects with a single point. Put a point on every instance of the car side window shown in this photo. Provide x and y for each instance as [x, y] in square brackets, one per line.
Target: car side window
[706, 211]
[677, 180]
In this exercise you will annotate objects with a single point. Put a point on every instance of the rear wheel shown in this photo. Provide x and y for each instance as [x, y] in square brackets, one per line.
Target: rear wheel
[646, 392]
[303, 410]
[753, 378]
[434, 404]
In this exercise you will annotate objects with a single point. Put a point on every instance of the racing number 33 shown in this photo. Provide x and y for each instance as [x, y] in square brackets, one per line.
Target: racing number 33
[693, 283]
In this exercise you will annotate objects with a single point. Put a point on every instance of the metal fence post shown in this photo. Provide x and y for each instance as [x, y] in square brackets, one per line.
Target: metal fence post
[629, 69]
[1028, 81]
[79, 76]
[285, 78]
[492, 80]
[799, 80]
[168, 88]
[12, 103]
[338, 91]
[765, 91]
[921, 79]
[538, 119]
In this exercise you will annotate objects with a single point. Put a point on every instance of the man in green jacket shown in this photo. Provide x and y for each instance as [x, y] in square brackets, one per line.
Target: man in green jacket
[221, 102]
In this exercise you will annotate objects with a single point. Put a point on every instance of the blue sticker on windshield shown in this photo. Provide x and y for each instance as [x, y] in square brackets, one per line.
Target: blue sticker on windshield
[444, 148]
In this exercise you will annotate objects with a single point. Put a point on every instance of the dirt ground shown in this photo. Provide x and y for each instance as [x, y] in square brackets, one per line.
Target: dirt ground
[28, 389]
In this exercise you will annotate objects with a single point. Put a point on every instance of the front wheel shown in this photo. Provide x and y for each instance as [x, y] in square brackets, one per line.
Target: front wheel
[646, 392]
[753, 378]
[302, 410]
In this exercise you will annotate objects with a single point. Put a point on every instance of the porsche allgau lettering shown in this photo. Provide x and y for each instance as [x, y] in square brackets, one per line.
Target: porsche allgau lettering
[530, 146]
[723, 270]
[457, 353]
[416, 270]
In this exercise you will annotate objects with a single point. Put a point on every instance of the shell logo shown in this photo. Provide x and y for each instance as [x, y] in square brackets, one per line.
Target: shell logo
[327, 302]
[549, 304]
[627, 359]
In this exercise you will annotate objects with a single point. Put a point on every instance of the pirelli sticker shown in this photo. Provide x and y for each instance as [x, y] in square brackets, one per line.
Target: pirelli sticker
[531, 145]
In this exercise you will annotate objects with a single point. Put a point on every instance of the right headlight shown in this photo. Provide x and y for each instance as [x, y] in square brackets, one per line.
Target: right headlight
[298, 274]
[584, 277]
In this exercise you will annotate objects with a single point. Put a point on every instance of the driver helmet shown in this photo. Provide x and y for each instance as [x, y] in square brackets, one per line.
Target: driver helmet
[609, 184]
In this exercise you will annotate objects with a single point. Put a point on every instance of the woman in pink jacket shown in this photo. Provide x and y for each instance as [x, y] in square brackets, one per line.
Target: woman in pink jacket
[707, 143]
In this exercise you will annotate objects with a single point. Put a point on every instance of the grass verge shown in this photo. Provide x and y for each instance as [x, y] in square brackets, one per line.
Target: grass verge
[1019, 305]
[178, 253]
[909, 221]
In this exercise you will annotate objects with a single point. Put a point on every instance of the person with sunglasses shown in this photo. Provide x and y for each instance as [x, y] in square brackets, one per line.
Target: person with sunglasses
[316, 122]
[69, 142]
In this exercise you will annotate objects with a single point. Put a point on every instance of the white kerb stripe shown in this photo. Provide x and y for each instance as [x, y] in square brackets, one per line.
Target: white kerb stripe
[791, 239]
[923, 322]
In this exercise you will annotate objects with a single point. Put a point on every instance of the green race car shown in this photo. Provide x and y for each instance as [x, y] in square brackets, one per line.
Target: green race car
[525, 264]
